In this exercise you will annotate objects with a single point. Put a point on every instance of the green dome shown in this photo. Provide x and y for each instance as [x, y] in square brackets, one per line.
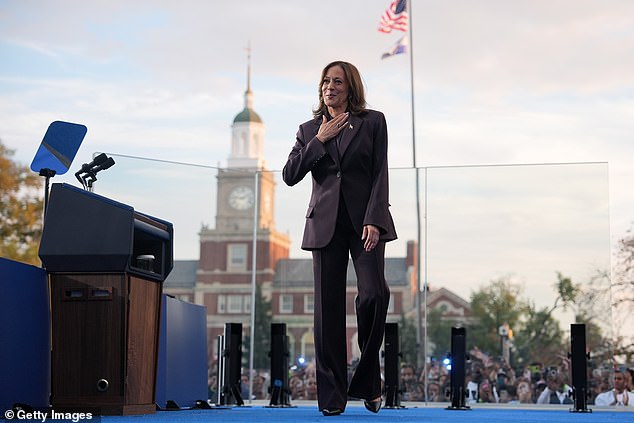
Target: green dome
[247, 115]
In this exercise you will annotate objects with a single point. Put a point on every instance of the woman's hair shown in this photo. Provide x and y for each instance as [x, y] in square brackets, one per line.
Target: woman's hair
[356, 95]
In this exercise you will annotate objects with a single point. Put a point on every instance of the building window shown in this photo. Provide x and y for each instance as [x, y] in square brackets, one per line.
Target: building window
[221, 304]
[286, 303]
[236, 257]
[309, 303]
[234, 303]
[247, 303]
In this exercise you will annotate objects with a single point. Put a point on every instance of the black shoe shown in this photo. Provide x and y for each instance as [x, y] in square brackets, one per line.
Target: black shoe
[331, 411]
[373, 406]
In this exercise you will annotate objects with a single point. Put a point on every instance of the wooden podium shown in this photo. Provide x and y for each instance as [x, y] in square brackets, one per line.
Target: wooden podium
[105, 342]
[105, 301]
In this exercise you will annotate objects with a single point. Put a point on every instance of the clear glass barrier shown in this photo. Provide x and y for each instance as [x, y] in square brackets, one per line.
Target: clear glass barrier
[528, 248]
[514, 254]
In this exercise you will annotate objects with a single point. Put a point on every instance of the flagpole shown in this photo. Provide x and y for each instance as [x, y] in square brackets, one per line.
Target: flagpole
[419, 338]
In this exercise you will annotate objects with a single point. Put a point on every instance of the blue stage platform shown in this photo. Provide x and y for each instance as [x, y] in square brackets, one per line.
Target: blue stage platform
[306, 411]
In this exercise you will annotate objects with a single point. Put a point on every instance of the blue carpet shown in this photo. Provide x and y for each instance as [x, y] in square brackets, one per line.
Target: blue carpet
[357, 413]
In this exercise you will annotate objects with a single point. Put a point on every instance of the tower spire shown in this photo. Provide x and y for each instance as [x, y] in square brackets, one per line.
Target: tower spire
[247, 138]
[248, 95]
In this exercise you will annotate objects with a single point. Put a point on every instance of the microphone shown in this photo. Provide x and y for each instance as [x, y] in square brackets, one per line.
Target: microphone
[108, 163]
[88, 179]
[99, 159]
[81, 181]
[88, 172]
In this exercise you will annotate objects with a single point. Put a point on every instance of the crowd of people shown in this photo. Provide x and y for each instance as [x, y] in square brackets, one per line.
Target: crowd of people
[492, 380]
[488, 380]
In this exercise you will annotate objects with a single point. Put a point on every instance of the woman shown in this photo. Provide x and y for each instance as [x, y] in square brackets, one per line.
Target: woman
[524, 391]
[344, 147]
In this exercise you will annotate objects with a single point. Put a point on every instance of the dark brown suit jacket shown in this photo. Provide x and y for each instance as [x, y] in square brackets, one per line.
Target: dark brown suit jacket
[356, 171]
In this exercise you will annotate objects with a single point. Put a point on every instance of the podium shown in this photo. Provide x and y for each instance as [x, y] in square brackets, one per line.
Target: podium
[106, 264]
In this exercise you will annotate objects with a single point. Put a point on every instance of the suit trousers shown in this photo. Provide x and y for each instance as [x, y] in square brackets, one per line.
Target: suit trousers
[330, 266]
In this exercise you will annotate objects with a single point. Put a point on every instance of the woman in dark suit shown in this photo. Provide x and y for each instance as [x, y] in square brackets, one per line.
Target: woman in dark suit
[344, 147]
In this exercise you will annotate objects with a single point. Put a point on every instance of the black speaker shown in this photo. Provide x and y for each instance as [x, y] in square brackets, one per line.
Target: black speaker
[279, 355]
[458, 391]
[232, 358]
[391, 363]
[220, 369]
[579, 362]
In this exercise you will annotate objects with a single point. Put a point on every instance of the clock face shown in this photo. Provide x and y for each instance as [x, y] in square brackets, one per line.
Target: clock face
[241, 198]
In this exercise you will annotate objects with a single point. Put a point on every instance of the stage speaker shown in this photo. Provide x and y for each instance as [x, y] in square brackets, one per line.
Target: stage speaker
[579, 362]
[220, 368]
[279, 355]
[392, 358]
[458, 391]
[232, 359]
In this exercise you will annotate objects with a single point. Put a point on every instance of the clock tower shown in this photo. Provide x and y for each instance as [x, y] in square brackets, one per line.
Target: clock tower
[245, 197]
[236, 184]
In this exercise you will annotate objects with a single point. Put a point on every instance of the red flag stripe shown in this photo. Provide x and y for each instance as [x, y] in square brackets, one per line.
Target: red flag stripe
[392, 20]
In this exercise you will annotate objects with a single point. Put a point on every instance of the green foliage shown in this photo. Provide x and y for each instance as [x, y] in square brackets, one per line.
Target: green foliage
[622, 288]
[407, 331]
[538, 336]
[262, 333]
[20, 210]
[568, 292]
[439, 333]
[492, 306]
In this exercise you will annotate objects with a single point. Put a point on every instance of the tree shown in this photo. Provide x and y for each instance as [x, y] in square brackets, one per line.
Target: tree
[20, 210]
[409, 349]
[262, 333]
[539, 338]
[593, 307]
[623, 296]
[493, 306]
[439, 333]
[624, 270]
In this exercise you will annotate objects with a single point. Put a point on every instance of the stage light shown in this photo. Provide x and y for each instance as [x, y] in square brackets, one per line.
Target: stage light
[447, 363]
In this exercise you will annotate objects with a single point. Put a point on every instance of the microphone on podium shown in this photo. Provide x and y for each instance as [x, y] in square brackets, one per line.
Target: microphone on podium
[88, 172]
[107, 164]
[99, 159]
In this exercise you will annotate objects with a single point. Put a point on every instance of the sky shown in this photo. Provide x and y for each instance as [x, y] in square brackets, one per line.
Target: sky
[523, 114]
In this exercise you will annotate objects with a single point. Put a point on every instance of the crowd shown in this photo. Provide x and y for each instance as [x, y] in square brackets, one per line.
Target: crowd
[302, 384]
[492, 380]
[488, 380]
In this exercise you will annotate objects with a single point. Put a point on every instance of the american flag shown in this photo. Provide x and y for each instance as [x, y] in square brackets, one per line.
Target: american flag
[395, 17]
